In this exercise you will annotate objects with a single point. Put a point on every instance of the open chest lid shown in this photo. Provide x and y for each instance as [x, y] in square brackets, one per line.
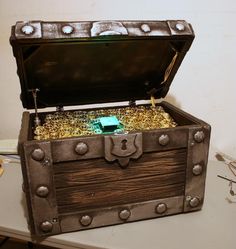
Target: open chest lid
[73, 63]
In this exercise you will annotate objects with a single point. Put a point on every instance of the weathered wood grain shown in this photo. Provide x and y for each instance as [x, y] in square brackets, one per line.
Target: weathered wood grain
[103, 194]
[98, 170]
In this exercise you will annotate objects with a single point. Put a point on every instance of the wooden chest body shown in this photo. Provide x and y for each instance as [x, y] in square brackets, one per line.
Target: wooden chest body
[86, 190]
[92, 181]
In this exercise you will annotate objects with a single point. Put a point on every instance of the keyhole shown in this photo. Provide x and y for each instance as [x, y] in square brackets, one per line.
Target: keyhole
[123, 144]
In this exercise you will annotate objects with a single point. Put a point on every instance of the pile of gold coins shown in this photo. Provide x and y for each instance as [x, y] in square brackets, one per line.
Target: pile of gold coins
[77, 123]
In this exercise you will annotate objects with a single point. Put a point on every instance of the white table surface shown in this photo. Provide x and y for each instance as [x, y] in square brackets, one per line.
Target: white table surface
[212, 227]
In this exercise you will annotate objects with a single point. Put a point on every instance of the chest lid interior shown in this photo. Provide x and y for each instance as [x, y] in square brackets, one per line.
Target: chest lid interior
[73, 63]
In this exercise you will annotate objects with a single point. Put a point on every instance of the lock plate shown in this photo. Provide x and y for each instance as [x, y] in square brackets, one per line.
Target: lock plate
[123, 148]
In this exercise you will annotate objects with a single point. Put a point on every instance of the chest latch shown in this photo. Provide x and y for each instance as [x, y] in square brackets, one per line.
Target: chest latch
[123, 147]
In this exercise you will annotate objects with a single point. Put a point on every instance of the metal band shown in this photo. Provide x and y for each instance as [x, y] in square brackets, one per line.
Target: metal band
[64, 149]
[58, 30]
[110, 215]
[197, 156]
[40, 173]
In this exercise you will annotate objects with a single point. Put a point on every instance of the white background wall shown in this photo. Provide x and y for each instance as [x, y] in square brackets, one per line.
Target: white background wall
[203, 86]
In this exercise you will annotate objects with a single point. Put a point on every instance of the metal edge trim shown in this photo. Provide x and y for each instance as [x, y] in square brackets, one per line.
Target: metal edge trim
[110, 215]
[197, 155]
[39, 173]
[126, 28]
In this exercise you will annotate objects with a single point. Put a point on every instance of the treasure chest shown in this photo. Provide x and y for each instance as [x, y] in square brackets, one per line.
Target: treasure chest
[121, 156]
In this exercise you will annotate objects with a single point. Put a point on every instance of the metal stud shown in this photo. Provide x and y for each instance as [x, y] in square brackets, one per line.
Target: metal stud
[124, 214]
[27, 29]
[46, 162]
[180, 27]
[38, 154]
[199, 136]
[81, 148]
[55, 220]
[164, 140]
[145, 28]
[188, 198]
[161, 208]
[67, 29]
[42, 191]
[194, 202]
[85, 220]
[197, 169]
[46, 226]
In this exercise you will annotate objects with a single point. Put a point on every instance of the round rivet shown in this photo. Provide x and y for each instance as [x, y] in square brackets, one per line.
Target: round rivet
[145, 28]
[38, 154]
[46, 162]
[161, 208]
[194, 202]
[42, 191]
[67, 29]
[27, 29]
[46, 226]
[124, 214]
[85, 220]
[199, 136]
[197, 169]
[188, 198]
[55, 220]
[180, 27]
[81, 148]
[163, 140]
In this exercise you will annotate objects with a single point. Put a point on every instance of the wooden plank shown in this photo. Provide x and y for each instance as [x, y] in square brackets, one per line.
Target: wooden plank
[181, 117]
[98, 170]
[73, 199]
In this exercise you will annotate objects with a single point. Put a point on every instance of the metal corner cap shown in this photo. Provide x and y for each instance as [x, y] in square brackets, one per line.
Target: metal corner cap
[179, 27]
[28, 30]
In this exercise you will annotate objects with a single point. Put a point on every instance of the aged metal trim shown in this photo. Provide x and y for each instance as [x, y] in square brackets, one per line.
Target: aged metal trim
[196, 168]
[41, 188]
[85, 29]
[121, 214]
[179, 27]
[23, 137]
[153, 140]
[65, 149]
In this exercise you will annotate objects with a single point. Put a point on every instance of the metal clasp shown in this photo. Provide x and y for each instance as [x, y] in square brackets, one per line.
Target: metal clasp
[123, 148]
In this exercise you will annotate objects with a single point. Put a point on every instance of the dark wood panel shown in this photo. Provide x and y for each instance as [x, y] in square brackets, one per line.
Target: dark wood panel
[181, 117]
[73, 199]
[98, 170]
